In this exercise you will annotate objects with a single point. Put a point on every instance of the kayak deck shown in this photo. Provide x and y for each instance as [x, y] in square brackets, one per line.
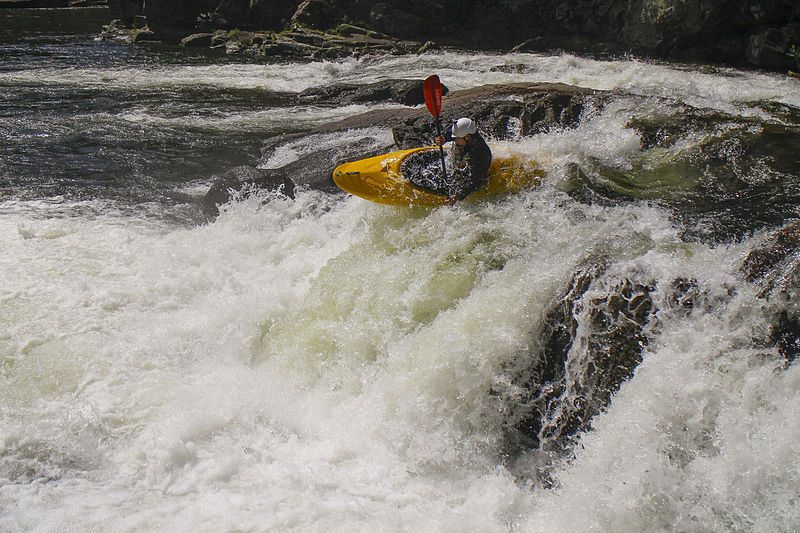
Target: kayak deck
[380, 179]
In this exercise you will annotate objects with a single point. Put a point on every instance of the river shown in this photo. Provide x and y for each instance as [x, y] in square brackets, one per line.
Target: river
[327, 364]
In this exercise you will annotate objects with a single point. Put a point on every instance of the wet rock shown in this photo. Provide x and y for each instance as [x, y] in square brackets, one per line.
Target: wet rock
[512, 69]
[406, 92]
[312, 170]
[219, 39]
[350, 30]
[244, 179]
[505, 111]
[665, 129]
[775, 266]
[287, 48]
[580, 364]
[307, 38]
[723, 176]
[778, 246]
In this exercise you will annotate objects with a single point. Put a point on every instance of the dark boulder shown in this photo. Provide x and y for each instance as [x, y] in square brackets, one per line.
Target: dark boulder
[406, 92]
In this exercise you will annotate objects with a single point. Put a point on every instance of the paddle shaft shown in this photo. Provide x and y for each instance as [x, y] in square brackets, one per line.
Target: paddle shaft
[433, 101]
[441, 148]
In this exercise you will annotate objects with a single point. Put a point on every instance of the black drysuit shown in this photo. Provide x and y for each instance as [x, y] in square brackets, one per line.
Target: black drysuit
[470, 164]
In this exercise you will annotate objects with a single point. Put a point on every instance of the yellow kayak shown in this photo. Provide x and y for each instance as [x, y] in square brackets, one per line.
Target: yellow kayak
[380, 179]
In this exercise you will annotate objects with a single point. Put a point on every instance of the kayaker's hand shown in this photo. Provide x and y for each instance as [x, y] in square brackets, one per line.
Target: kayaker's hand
[439, 140]
[450, 200]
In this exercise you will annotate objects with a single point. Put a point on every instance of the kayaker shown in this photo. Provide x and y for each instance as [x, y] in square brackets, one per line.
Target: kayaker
[470, 158]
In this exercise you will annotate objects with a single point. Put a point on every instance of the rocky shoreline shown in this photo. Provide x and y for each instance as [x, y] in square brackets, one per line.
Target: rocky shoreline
[763, 34]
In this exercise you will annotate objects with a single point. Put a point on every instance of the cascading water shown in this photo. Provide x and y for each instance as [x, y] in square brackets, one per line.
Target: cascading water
[552, 361]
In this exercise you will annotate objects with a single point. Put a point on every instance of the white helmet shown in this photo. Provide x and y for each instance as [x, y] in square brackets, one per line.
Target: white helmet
[464, 126]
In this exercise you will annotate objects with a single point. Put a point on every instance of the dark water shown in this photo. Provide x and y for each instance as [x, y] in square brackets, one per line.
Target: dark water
[131, 141]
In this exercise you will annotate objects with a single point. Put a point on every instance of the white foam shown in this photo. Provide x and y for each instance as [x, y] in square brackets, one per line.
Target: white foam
[724, 89]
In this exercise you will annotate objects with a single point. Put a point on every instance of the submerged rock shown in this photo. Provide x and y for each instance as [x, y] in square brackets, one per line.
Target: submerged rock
[724, 176]
[245, 180]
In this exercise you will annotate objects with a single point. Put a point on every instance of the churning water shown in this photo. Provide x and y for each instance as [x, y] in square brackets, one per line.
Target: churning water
[327, 364]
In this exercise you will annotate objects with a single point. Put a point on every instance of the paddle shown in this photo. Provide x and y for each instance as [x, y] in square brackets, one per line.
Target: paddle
[433, 101]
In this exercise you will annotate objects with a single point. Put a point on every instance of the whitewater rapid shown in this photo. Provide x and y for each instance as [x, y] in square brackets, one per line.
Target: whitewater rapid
[325, 364]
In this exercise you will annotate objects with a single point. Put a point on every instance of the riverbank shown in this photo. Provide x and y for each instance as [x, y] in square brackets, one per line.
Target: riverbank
[761, 34]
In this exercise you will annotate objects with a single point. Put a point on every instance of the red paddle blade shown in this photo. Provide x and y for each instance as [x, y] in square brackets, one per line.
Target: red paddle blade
[433, 95]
